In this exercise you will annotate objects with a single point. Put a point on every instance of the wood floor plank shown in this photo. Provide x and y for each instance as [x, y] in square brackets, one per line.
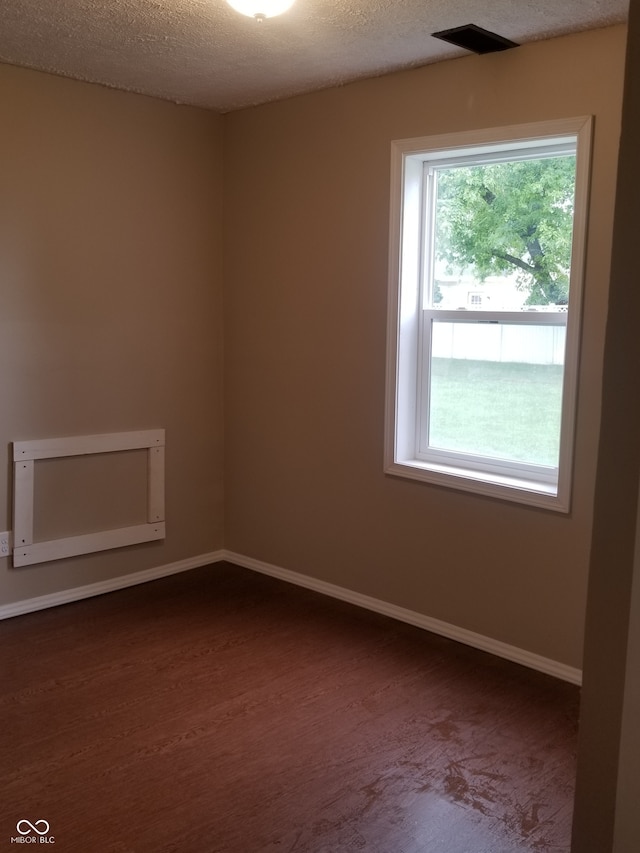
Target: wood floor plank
[226, 712]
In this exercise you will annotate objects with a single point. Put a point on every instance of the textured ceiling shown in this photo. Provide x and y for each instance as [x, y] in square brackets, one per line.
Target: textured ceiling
[201, 52]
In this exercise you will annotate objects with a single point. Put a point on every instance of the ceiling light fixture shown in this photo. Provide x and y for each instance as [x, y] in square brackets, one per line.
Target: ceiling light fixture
[260, 9]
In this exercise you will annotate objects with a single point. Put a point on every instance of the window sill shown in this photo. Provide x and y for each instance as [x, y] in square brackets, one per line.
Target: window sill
[543, 495]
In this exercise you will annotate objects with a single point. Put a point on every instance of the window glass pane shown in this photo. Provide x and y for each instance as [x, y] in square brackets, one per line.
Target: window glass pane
[495, 389]
[501, 235]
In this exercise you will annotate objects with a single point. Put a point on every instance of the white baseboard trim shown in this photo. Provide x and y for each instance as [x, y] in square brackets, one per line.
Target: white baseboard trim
[419, 620]
[411, 617]
[41, 602]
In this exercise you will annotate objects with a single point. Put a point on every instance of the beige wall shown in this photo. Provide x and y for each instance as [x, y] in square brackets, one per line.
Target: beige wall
[110, 300]
[306, 225]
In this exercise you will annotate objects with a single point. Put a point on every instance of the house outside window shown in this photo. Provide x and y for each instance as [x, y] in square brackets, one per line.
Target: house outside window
[486, 267]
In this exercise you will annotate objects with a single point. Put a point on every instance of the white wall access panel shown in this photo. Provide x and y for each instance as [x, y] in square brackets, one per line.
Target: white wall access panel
[27, 552]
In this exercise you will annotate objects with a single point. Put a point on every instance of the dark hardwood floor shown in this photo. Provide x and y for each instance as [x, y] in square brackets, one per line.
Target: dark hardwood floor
[226, 712]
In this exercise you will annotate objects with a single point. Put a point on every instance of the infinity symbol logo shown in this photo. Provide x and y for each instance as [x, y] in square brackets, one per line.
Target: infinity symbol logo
[32, 827]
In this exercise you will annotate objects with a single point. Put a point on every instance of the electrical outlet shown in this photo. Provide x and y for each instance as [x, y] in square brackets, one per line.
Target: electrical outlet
[5, 543]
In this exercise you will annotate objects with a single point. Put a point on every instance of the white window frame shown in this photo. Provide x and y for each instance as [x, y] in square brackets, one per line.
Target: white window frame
[407, 335]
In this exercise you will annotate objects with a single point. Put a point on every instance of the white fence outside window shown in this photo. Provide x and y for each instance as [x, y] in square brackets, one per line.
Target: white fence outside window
[500, 342]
